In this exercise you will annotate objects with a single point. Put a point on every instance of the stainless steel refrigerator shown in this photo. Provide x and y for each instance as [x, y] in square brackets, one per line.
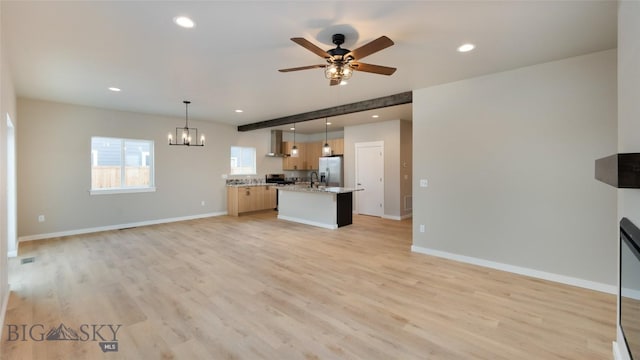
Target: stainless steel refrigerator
[331, 171]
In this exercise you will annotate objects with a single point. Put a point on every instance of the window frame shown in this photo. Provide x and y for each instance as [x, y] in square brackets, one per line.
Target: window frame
[124, 189]
[255, 161]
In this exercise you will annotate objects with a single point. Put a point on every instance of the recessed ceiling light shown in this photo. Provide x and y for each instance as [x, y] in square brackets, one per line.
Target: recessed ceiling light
[466, 47]
[115, 89]
[375, 116]
[328, 123]
[292, 128]
[238, 110]
[184, 21]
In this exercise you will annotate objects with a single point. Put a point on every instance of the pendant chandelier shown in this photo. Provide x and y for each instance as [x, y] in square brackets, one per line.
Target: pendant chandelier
[294, 149]
[187, 134]
[326, 149]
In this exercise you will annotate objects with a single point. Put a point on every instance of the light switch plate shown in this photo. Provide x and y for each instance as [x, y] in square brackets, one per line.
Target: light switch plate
[424, 183]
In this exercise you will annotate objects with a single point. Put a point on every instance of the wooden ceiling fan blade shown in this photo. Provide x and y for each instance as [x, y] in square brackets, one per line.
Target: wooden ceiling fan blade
[311, 47]
[333, 82]
[374, 46]
[376, 69]
[302, 68]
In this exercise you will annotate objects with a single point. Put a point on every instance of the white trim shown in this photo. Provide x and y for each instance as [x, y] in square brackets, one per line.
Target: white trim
[592, 285]
[616, 351]
[12, 253]
[620, 351]
[121, 190]
[308, 222]
[3, 309]
[117, 227]
[630, 293]
[396, 217]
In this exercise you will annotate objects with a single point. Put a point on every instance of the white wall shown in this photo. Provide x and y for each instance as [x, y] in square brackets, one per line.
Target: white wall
[54, 174]
[510, 162]
[628, 111]
[389, 133]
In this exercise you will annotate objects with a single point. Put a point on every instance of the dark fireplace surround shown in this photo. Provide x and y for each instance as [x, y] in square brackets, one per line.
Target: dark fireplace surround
[623, 171]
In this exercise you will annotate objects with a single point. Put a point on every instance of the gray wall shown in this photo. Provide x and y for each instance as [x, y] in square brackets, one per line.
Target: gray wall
[510, 162]
[54, 174]
[390, 133]
[405, 167]
[628, 109]
[261, 140]
[7, 107]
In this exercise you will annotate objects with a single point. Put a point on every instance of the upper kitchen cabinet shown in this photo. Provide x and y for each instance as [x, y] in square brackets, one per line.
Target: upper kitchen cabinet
[309, 153]
[337, 146]
[294, 163]
[314, 152]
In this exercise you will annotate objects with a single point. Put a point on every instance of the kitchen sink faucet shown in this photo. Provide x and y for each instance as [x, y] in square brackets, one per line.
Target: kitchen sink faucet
[311, 178]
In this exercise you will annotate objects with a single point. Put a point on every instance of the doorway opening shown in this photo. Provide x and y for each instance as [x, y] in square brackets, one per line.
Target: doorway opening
[11, 211]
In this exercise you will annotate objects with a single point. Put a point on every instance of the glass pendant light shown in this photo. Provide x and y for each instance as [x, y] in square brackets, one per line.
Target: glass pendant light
[326, 149]
[294, 149]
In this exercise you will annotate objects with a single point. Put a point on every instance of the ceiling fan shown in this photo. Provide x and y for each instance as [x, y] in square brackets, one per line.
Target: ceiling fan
[341, 62]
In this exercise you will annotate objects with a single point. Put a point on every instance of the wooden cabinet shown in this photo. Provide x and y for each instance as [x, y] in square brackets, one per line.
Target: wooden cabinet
[337, 146]
[294, 163]
[309, 153]
[313, 153]
[249, 198]
[242, 199]
[269, 197]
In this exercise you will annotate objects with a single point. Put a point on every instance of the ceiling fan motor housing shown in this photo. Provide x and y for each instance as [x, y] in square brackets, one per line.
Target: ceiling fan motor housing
[338, 39]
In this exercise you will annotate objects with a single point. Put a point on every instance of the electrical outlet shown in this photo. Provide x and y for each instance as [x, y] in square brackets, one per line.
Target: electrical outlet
[40, 218]
[421, 227]
[424, 183]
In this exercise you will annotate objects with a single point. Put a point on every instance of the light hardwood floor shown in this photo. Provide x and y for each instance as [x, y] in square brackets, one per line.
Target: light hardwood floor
[255, 287]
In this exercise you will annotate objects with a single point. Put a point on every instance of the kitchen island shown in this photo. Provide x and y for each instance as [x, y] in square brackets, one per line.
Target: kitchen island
[329, 208]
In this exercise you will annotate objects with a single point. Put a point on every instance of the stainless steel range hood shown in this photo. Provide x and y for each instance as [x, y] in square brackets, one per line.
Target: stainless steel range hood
[276, 149]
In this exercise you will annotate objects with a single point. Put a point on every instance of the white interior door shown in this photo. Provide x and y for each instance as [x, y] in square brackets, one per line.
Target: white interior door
[370, 177]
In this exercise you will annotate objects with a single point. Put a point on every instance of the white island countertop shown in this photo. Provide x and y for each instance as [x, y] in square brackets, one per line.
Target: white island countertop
[326, 207]
[328, 190]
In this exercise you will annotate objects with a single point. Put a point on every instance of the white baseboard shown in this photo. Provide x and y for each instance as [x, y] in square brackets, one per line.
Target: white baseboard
[568, 280]
[116, 227]
[307, 222]
[3, 309]
[392, 217]
[396, 217]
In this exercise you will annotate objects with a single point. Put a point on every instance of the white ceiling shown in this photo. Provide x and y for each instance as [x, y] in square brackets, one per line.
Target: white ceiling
[73, 51]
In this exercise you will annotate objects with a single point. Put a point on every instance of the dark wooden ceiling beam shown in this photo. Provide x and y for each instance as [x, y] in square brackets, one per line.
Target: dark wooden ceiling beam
[386, 101]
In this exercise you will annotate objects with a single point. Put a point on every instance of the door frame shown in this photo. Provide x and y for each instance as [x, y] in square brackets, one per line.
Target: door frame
[356, 208]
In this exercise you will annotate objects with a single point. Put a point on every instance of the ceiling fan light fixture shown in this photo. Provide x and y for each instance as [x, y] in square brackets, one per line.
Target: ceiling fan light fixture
[338, 71]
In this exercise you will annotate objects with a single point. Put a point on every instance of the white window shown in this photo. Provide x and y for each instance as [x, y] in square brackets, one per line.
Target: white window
[243, 160]
[121, 165]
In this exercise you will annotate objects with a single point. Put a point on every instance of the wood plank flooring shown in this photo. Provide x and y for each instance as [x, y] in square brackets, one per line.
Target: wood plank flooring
[254, 287]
